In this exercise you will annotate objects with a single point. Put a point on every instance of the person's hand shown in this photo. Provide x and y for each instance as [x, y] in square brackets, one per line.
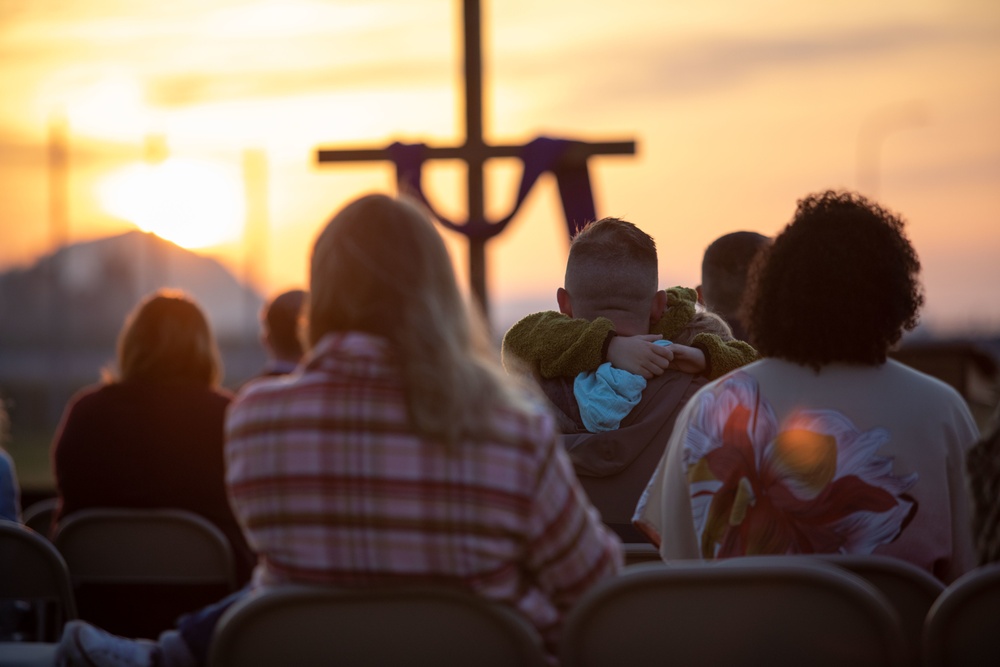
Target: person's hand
[639, 355]
[686, 359]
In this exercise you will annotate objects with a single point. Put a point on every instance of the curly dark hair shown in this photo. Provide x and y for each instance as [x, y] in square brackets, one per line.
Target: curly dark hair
[839, 284]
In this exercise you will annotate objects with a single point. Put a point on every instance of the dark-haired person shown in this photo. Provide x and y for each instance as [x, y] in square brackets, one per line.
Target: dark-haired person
[614, 421]
[279, 332]
[608, 273]
[151, 435]
[725, 269]
[825, 445]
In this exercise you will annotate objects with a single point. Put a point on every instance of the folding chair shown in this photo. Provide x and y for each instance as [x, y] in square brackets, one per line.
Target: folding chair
[135, 571]
[963, 626]
[34, 581]
[38, 516]
[640, 552]
[24, 654]
[311, 626]
[910, 590]
[745, 613]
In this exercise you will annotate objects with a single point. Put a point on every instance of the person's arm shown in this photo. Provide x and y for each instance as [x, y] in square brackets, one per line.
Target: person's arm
[641, 355]
[709, 354]
[10, 493]
[568, 547]
[723, 356]
[555, 345]
[681, 307]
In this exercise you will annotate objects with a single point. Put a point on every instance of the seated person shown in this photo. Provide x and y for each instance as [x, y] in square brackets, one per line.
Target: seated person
[606, 396]
[825, 445]
[569, 342]
[983, 466]
[279, 332]
[10, 492]
[611, 286]
[725, 268]
[151, 436]
[400, 453]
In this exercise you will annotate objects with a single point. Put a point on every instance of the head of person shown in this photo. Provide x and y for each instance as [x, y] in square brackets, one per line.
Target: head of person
[381, 268]
[839, 284]
[166, 339]
[724, 269]
[280, 325]
[612, 272]
[703, 322]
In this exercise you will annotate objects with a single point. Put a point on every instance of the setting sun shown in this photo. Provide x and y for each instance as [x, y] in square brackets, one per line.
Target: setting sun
[193, 204]
[736, 114]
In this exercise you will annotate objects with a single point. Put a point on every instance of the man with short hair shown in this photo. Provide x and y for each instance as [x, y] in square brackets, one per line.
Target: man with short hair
[725, 268]
[279, 332]
[608, 305]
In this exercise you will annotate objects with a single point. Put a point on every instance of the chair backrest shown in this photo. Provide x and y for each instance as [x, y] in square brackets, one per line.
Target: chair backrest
[31, 569]
[640, 552]
[313, 625]
[742, 612]
[39, 516]
[963, 625]
[161, 546]
[166, 562]
[24, 654]
[910, 590]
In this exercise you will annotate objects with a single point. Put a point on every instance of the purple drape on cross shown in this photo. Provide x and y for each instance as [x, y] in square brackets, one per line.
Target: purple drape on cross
[541, 155]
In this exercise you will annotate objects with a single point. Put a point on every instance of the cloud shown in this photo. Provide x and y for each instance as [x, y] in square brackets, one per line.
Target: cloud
[658, 68]
[186, 88]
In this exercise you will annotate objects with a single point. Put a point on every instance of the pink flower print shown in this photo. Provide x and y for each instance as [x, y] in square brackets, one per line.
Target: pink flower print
[814, 486]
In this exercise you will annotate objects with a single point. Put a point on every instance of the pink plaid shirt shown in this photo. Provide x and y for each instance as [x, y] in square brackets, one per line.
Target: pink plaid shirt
[332, 486]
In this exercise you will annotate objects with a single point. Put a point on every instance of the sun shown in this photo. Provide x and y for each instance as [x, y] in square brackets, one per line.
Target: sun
[192, 203]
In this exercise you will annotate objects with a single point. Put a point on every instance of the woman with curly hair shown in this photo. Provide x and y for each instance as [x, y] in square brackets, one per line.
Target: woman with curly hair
[825, 445]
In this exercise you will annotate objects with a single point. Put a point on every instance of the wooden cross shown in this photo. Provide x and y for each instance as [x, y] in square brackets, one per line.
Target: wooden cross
[475, 152]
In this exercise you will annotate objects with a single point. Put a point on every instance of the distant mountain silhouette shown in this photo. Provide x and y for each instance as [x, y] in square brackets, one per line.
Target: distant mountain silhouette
[81, 294]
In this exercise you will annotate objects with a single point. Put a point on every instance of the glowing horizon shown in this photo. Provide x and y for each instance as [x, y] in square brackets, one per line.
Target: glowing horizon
[737, 112]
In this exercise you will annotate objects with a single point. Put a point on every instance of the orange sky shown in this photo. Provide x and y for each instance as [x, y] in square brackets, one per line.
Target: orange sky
[738, 109]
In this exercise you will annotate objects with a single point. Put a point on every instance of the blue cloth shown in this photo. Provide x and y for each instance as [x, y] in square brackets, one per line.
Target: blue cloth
[10, 492]
[198, 627]
[607, 395]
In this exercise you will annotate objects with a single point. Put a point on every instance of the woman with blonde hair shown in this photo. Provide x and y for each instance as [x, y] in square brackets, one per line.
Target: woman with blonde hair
[399, 453]
[151, 435]
[403, 429]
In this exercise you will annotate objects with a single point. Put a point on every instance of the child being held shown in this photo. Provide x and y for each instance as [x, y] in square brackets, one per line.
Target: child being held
[606, 396]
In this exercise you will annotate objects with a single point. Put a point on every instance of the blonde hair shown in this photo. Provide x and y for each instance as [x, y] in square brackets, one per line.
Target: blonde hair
[703, 322]
[381, 268]
[166, 339]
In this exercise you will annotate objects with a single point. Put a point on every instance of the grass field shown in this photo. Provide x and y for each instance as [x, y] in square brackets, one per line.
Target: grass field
[31, 459]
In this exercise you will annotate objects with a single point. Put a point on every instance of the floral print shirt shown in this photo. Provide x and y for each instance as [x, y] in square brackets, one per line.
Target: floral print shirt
[779, 459]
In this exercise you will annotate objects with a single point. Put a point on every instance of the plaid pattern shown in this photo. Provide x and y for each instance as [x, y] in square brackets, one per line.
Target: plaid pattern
[332, 486]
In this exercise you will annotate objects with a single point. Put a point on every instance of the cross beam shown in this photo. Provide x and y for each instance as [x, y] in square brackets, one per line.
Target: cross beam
[484, 151]
[476, 151]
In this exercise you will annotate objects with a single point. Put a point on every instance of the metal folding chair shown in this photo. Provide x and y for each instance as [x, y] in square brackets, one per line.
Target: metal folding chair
[316, 626]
